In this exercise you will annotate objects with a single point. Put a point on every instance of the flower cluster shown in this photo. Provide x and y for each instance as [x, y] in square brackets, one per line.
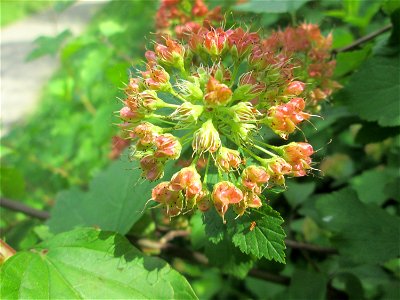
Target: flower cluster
[310, 53]
[214, 97]
[182, 17]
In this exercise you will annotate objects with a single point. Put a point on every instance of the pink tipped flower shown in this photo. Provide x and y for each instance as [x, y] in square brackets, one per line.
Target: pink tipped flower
[226, 192]
[152, 168]
[168, 146]
[218, 94]
[206, 138]
[295, 88]
[133, 87]
[215, 41]
[162, 193]
[252, 200]
[199, 8]
[156, 78]
[146, 132]
[172, 53]
[187, 179]
[253, 177]
[128, 115]
[240, 41]
[277, 168]
[298, 156]
[228, 159]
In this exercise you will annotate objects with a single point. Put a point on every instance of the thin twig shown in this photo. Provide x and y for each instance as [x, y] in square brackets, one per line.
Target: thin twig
[310, 247]
[363, 40]
[20, 207]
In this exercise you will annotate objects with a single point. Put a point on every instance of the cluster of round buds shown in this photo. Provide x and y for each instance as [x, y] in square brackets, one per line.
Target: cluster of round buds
[182, 17]
[214, 96]
[310, 52]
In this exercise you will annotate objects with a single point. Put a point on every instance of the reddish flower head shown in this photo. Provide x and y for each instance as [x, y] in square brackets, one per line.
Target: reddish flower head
[187, 179]
[218, 94]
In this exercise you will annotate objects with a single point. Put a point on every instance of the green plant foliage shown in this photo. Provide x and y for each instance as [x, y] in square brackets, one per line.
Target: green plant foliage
[48, 45]
[271, 6]
[118, 194]
[112, 269]
[265, 239]
[373, 91]
[363, 232]
[308, 285]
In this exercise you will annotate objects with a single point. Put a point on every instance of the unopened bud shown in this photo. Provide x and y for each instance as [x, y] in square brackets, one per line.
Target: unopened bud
[206, 138]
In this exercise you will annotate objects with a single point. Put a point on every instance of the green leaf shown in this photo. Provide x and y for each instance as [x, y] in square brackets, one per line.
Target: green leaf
[370, 185]
[48, 45]
[308, 285]
[266, 239]
[373, 92]
[115, 201]
[371, 132]
[12, 183]
[90, 264]
[228, 258]
[270, 6]
[347, 62]
[363, 232]
[297, 193]
[214, 226]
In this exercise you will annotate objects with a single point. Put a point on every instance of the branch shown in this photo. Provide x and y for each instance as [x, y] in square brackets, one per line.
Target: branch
[170, 235]
[20, 207]
[363, 39]
[310, 247]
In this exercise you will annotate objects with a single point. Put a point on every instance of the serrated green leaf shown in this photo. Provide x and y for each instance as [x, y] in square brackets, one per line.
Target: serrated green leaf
[266, 239]
[363, 232]
[373, 92]
[118, 196]
[90, 264]
[214, 226]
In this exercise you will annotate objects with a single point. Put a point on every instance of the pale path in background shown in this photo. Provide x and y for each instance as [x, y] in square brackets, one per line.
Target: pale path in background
[21, 82]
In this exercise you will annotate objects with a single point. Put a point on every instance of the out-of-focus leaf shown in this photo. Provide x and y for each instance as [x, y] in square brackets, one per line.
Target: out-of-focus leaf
[261, 234]
[214, 226]
[373, 92]
[12, 183]
[271, 6]
[109, 28]
[198, 236]
[297, 193]
[363, 232]
[115, 201]
[308, 285]
[370, 185]
[349, 61]
[60, 6]
[48, 45]
[371, 132]
[228, 258]
[90, 264]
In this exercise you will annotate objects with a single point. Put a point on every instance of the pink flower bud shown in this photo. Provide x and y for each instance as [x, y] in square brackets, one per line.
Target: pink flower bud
[152, 168]
[277, 167]
[168, 146]
[253, 177]
[218, 94]
[295, 88]
[241, 41]
[171, 54]
[252, 200]
[226, 192]
[228, 159]
[156, 78]
[298, 156]
[187, 179]
[147, 133]
[128, 115]
[215, 41]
